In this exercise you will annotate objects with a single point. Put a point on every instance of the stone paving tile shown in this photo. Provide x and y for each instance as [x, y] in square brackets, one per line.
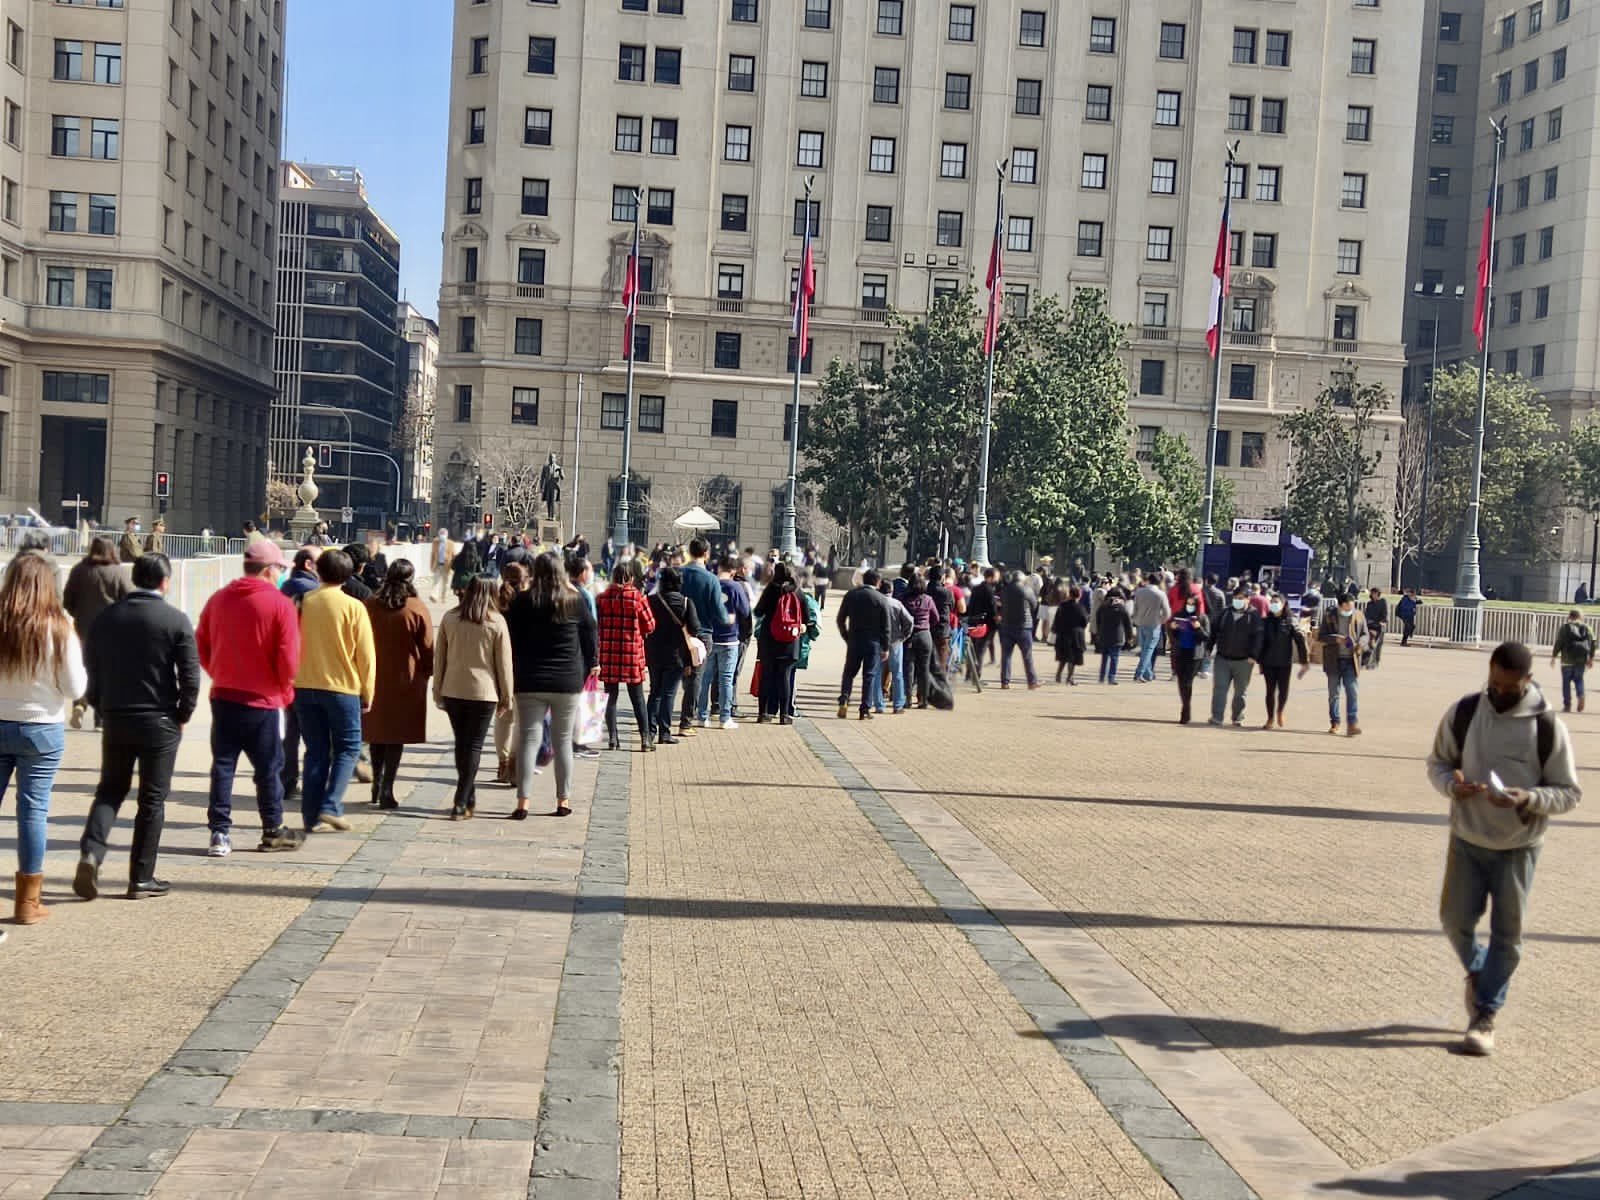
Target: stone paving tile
[34, 1157]
[773, 1045]
[1278, 890]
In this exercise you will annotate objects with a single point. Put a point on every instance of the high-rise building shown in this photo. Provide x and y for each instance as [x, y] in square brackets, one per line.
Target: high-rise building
[419, 390]
[1111, 127]
[338, 345]
[137, 214]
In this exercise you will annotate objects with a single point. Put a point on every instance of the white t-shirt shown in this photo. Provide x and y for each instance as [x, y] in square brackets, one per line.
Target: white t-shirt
[45, 700]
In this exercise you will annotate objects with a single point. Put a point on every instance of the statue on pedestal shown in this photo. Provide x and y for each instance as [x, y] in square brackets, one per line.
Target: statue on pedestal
[306, 517]
[550, 477]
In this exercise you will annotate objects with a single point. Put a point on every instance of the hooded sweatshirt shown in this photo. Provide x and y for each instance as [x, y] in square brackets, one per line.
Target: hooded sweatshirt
[1506, 743]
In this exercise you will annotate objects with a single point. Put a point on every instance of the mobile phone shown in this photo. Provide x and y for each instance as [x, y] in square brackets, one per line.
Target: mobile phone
[1497, 786]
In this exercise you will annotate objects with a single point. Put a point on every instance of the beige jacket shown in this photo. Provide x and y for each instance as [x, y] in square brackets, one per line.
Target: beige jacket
[472, 662]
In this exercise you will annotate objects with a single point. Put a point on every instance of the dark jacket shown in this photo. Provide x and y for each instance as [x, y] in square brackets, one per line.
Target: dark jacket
[864, 616]
[1019, 609]
[1071, 623]
[356, 589]
[980, 605]
[548, 655]
[1216, 603]
[1406, 610]
[1282, 643]
[91, 589]
[664, 649]
[1113, 627]
[299, 583]
[143, 661]
[769, 648]
[1377, 612]
[1236, 634]
[702, 589]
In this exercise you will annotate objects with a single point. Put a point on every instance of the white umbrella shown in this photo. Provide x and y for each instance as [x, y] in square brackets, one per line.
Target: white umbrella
[697, 518]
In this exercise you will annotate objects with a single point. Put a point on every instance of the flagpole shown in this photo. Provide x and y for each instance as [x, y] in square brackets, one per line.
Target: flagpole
[1469, 593]
[621, 535]
[787, 545]
[980, 518]
[1208, 532]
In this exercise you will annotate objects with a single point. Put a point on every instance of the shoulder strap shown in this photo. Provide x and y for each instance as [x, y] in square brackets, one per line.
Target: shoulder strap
[1546, 722]
[1544, 725]
[1466, 709]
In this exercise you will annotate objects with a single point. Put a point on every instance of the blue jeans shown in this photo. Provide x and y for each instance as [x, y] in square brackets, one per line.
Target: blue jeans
[1473, 879]
[254, 732]
[1108, 664]
[1343, 676]
[663, 691]
[720, 667]
[33, 752]
[865, 656]
[1149, 639]
[1571, 679]
[330, 726]
[897, 674]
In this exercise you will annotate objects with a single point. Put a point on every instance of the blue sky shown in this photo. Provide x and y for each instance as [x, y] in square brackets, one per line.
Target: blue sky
[368, 85]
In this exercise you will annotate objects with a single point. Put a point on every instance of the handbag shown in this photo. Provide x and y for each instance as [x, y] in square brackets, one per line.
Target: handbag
[692, 646]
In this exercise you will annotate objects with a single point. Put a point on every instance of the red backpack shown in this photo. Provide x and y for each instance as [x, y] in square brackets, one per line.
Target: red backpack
[788, 619]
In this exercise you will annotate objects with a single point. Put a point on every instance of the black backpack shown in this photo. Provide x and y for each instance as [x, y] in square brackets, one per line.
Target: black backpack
[1468, 708]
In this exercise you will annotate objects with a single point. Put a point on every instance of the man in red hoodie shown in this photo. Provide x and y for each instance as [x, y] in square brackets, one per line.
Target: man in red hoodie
[249, 640]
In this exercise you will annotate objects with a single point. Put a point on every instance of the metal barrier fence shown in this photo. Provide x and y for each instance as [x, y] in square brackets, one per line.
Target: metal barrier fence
[68, 542]
[1490, 626]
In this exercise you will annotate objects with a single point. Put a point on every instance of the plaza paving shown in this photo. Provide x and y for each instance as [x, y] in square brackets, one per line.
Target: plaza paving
[1048, 945]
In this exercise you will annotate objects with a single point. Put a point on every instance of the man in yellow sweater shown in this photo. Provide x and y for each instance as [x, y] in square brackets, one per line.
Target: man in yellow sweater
[332, 689]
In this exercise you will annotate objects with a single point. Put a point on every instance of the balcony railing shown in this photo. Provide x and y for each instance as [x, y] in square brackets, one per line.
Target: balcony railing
[1155, 333]
[1240, 337]
[874, 316]
[530, 291]
[729, 305]
[652, 299]
[1338, 346]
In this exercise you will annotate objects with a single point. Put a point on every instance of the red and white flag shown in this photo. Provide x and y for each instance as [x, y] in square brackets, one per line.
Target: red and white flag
[805, 289]
[630, 296]
[1220, 270]
[994, 280]
[1480, 309]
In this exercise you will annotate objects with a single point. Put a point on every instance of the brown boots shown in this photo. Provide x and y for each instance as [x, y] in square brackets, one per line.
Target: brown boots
[29, 911]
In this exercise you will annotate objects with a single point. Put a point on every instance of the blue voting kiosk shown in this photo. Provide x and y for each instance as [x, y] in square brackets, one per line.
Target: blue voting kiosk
[1264, 550]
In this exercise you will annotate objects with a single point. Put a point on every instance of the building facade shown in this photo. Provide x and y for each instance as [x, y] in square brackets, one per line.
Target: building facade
[1111, 123]
[419, 380]
[137, 222]
[338, 344]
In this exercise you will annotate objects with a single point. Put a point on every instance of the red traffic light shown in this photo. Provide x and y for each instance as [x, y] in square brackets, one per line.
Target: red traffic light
[488, 520]
[163, 485]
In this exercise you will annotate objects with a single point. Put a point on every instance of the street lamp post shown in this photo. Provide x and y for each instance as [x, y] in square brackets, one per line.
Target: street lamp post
[980, 519]
[1436, 296]
[621, 535]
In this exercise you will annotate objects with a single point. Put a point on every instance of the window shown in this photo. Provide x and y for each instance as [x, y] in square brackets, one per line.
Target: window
[58, 287]
[1097, 103]
[76, 387]
[1267, 180]
[1444, 78]
[1523, 191]
[13, 123]
[1438, 181]
[728, 349]
[1344, 322]
[1164, 176]
[1240, 111]
[1102, 35]
[1449, 27]
[735, 212]
[1243, 318]
[736, 143]
[1508, 32]
[886, 85]
[641, 342]
[730, 281]
[1353, 191]
[1237, 177]
[814, 80]
[725, 418]
[1224, 445]
[1358, 123]
[1553, 125]
[624, 203]
[529, 336]
[69, 60]
[536, 124]
[891, 17]
[1030, 30]
[1158, 244]
[1563, 9]
[530, 266]
[961, 20]
[1241, 386]
[1029, 92]
[1155, 309]
[1537, 369]
[64, 212]
[819, 14]
[8, 205]
[1024, 165]
[1169, 108]
[1264, 250]
[1253, 450]
[1019, 234]
[870, 357]
[1550, 178]
[630, 63]
[467, 334]
[1349, 257]
[1277, 52]
[1094, 172]
[957, 91]
[535, 197]
[541, 56]
[741, 73]
[658, 206]
[524, 406]
[1519, 251]
[630, 134]
[1547, 242]
[1244, 46]
[880, 223]
[1091, 239]
[1502, 88]
[880, 155]
[805, 369]
[1444, 131]
[947, 228]
[663, 135]
[669, 65]
[952, 160]
[1363, 56]
[614, 412]
[874, 291]
[475, 126]
[806, 211]
[1152, 382]
[1514, 308]
[1172, 37]
[1525, 135]
[104, 135]
[1530, 76]
[808, 149]
[746, 11]
[479, 56]
[1558, 65]
[1272, 114]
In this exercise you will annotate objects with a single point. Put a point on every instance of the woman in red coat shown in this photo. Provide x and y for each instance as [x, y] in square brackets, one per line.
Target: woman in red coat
[402, 639]
[625, 621]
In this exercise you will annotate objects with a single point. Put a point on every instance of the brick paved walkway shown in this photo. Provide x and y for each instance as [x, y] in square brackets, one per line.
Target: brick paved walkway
[1050, 945]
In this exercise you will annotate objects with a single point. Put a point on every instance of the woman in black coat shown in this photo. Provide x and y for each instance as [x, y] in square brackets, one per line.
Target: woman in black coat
[1070, 630]
[774, 659]
[1282, 645]
[666, 654]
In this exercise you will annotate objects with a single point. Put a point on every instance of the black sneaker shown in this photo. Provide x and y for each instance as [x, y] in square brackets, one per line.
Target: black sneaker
[86, 883]
[281, 838]
[145, 889]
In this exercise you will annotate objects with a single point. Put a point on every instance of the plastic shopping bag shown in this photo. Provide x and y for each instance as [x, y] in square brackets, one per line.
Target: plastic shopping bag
[591, 725]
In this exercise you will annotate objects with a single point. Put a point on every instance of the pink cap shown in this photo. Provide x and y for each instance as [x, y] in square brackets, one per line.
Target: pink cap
[263, 552]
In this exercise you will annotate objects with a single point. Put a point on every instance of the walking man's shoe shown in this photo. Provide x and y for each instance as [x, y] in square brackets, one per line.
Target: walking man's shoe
[1354, 730]
[1479, 1042]
[281, 838]
[220, 846]
[337, 822]
[145, 889]
[844, 711]
[86, 883]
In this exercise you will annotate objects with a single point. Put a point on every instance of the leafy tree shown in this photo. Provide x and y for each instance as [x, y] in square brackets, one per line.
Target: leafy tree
[1161, 523]
[854, 453]
[1581, 472]
[1523, 459]
[1329, 501]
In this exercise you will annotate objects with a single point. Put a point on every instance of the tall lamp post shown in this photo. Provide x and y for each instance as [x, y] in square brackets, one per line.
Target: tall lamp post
[620, 535]
[1469, 593]
[991, 340]
[1437, 295]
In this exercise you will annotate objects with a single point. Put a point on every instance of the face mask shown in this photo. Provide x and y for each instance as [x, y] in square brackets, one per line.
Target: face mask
[1504, 701]
[1238, 604]
[1188, 608]
[137, 527]
[1275, 608]
[1345, 610]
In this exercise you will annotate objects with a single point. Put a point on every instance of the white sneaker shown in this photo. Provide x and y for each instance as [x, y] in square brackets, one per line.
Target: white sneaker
[1479, 1041]
[730, 723]
[220, 847]
[705, 722]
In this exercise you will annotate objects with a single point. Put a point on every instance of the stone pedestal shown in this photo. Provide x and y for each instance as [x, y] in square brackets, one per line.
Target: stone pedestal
[551, 533]
[306, 517]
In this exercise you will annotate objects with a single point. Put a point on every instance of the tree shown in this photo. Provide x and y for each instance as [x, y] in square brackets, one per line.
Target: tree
[1161, 523]
[1328, 501]
[1523, 458]
[854, 454]
[510, 476]
[282, 499]
[1410, 465]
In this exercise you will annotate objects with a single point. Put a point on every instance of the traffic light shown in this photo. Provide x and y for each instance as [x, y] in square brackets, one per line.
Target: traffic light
[163, 485]
[483, 491]
[488, 520]
[324, 456]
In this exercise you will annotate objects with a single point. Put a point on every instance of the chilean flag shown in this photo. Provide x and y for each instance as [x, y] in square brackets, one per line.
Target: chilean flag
[630, 297]
[1480, 311]
[994, 279]
[1219, 283]
[805, 289]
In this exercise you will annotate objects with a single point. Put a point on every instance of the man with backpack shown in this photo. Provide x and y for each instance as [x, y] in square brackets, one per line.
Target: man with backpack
[864, 623]
[1505, 760]
[1574, 647]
